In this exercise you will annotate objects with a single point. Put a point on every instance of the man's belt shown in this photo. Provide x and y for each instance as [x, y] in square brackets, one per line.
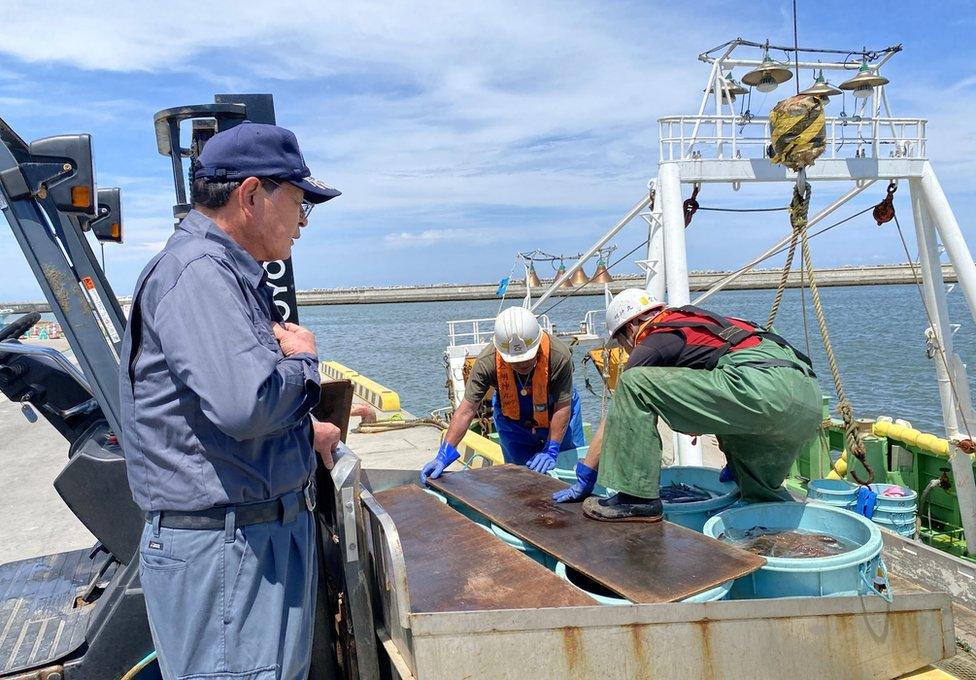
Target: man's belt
[248, 513]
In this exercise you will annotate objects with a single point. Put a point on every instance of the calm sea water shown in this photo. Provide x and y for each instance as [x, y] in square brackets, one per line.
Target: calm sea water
[876, 331]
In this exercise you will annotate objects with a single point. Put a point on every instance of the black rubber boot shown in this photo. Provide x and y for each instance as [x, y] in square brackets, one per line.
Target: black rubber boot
[623, 508]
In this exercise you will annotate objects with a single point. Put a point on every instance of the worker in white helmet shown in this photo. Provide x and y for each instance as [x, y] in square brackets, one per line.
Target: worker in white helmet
[536, 409]
[703, 373]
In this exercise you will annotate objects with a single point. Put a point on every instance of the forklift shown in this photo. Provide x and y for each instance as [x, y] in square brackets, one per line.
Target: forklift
[80, 615]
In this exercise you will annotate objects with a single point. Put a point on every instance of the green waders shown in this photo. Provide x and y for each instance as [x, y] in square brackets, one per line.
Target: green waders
[761, 416]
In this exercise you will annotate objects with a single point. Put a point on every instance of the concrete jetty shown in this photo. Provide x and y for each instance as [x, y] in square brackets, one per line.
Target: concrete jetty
[757, 279]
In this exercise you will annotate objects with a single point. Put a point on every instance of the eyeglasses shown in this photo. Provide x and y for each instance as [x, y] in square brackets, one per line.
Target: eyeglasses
[306, 206]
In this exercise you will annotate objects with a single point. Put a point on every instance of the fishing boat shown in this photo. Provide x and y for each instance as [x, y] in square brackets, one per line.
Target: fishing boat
[867, 151]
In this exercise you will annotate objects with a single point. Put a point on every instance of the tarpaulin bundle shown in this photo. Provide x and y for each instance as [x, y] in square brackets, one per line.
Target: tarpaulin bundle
[797, 131]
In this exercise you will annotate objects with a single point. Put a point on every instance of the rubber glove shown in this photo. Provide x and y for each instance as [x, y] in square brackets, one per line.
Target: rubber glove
[726, 475]
[585, 481]
[867, 501]
[545, 460]
[446, 455]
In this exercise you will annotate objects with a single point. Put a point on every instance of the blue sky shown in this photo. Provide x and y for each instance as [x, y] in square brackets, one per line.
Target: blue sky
[459, 133]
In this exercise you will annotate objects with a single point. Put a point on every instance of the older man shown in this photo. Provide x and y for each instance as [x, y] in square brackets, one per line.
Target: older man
[219, 445]
[536, 409]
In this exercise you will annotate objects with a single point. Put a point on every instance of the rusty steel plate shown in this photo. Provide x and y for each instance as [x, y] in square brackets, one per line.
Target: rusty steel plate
[642, 562]
[455, 565]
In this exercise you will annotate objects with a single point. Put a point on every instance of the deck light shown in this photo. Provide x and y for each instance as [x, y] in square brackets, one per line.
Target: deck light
[580, 278]
[820, 87]
[864, 82]
[601, 275]
[730, 89]
[767, 75]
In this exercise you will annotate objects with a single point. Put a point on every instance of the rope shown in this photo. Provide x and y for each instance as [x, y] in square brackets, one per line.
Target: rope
[390, 425]
[851, 434]
[814, 235]
[803, 307]
[799, 209]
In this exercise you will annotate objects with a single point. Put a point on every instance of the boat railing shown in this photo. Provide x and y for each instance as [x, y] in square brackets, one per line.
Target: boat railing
[480, 331]
[736, 137]
[594, 323]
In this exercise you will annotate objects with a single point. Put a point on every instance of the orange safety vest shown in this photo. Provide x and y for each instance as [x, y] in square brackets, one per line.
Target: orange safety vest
[508, 386]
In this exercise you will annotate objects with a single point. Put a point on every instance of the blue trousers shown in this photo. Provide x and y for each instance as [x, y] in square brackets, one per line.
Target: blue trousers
[519, 443]
[232, 604]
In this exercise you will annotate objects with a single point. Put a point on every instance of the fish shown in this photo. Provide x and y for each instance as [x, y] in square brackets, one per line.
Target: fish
[788, 543]
[676, 492]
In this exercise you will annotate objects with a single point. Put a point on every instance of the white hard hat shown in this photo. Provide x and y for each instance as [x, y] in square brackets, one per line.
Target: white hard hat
[627, 305]
[517, 334]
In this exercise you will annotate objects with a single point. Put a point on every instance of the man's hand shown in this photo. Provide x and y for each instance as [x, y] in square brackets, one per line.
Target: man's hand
[294, 339]
[325, 441]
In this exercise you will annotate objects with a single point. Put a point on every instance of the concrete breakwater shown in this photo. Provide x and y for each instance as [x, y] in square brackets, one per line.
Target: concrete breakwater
[699, 281]
[756, 279]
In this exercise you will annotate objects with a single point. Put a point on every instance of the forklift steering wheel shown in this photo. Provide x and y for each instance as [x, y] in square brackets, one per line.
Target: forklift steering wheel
[15, 329]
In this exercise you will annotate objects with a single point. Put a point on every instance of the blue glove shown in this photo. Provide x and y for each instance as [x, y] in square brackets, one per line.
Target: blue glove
[585, 481]
[726, 475]
[545, 460]
[867, 501]
[445, 456]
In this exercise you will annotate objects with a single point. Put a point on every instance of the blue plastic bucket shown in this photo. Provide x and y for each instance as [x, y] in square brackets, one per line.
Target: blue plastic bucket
[849, 573]
[605, 596]
[694, 515]
[465, 510]
[902, 528]
[837, 492]
[439, 496]
[895, 503]
[542, 558]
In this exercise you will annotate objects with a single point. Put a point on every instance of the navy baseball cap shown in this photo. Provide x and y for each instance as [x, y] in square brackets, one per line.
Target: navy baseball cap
[259, 150]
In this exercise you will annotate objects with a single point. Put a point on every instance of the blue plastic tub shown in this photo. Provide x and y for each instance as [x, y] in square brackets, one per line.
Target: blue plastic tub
[895, 503]
[605, 596]
[837, 492]
[849, 573]
[439, 496]
[542, 558]
[903, 528]
[694, 515]
[465, 510]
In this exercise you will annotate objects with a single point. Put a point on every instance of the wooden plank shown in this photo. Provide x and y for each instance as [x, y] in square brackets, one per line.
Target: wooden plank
[642, 562]
[455, 565]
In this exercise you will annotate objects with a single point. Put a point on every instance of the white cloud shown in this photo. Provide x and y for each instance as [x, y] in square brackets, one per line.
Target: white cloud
[430, 237]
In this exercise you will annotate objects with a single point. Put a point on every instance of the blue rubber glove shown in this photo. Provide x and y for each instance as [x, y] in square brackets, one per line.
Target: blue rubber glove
[545, 460]
[726, 475]
[867, 501]
[446, 455]
[585, 481]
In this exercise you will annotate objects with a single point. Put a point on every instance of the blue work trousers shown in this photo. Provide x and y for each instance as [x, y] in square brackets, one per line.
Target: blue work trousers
[519, 443]
[232, 604]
